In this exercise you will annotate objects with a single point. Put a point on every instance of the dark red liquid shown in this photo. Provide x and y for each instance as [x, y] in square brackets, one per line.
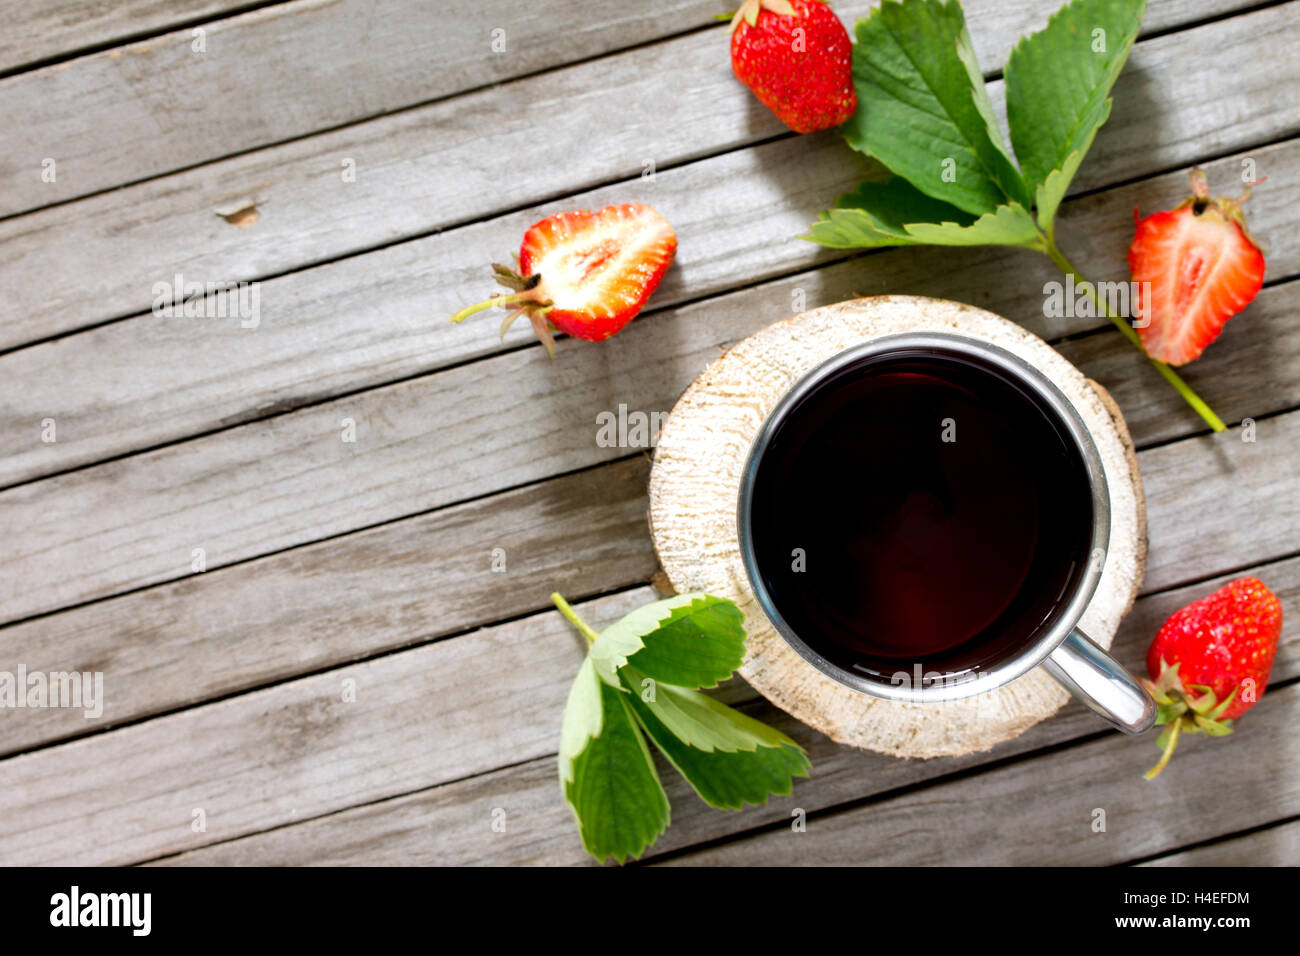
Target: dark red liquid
[942, 515]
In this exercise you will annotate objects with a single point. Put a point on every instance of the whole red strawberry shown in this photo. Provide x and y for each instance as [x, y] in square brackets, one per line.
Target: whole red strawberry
[1201, 266]
[585, 273]
[1211, 660]
[796, 57]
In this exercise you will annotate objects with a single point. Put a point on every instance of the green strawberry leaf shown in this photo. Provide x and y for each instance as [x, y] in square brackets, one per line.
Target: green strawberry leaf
[897, 202]
[1058, 84]
[695, 640]
[583, 715]
[625, 688]
[1009, 225]
[923, 109]
[609, 781]
[896, 213]
[876, 213]
[697, 645]
[700, 721]
[727, 781]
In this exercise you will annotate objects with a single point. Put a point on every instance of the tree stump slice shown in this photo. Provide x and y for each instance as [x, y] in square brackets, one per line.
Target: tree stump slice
[696, 478]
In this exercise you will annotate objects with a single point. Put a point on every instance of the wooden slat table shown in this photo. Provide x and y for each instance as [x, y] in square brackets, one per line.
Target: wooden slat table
[308, 656]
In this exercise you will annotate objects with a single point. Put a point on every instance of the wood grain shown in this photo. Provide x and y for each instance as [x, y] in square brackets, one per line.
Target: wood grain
[447, 825]
[1276, 846]
[1219, 497]
[231, 629]
[447, 466]
[379, 317]
[1250, 370]
[188, 625]
[432, 168]
[293, 479]
[56, 28]
[423, 717]
[1041, 811]
[285, 71]
[429, 715]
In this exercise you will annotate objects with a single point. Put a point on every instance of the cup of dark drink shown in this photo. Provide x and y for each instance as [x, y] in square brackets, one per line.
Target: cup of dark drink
[925, 517]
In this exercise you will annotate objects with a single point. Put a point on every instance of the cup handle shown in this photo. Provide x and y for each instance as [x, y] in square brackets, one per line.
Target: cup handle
[1102, 683]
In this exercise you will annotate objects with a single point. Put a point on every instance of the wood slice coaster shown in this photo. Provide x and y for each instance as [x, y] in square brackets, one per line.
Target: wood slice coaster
[696, 478]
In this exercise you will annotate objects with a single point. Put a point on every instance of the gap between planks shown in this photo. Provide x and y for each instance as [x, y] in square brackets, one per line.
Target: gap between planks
[1040, 811]
[349, 65]
[42, 35]
[1277, 844]
[362, 322]
[291, 480]
[410, 186]
[273, 744]
[441, 824]
[582, 532]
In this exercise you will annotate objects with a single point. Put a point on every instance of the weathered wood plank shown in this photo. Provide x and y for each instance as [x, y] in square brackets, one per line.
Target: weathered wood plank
[1253, 367]
[285, 71]
[199, 622]
[379, 317]
[296, 478]
[428, 715]
[424, 716]
[101, 257]
[446, 825]
[303, 610]
[35, 32]
[310, 722]
[1276, 846]
[1215, 499]
[1041, 811]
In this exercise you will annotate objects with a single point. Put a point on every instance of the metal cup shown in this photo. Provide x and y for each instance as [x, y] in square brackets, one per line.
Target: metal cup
[1083, 668]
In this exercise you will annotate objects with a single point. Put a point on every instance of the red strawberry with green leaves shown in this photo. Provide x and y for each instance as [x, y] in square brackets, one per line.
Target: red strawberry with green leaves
[585, 273]
[797, 58]
[1202, 267]
[1211, 660]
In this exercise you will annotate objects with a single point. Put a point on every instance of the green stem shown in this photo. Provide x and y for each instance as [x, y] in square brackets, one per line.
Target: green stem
[1174, 728]
[1169, 375]
[558, 600]
[502, 300]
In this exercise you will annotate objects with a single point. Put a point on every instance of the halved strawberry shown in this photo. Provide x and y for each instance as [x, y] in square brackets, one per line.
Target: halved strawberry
[1202, 267]
[585, 273]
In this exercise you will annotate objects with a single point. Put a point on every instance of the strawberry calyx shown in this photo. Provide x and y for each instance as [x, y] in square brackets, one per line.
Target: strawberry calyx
[1201, 201]
[529, 298]
[748, 11]
[1180, 711]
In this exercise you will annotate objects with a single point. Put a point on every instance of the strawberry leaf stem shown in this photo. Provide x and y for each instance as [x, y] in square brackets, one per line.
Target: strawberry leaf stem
[583, 627]
[1169, 375]
[1170, 738]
